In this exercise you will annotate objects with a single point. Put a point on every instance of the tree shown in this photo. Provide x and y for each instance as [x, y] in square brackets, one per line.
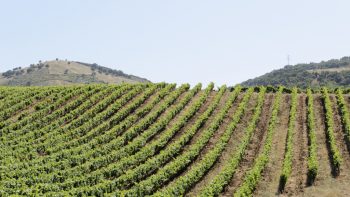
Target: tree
[30, 70]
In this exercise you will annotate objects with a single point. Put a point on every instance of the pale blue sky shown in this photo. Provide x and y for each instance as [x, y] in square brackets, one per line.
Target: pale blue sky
[175, 41]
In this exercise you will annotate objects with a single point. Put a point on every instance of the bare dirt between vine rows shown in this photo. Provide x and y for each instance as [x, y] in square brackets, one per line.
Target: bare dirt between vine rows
[213, 140]
[29, 108]
[189, 124]
[326, 184]
[166, 111]
[43, 138]
[126, 105]
[298, 179]
[341, 140]
[347, 100]
[146, 101]
[253, 148]
[92, 106]
[138, 95]
[269, 183]
[229, 149]
[222, 102]
[193, 119]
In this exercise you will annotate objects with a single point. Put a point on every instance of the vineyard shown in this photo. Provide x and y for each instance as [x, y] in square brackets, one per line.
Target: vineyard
[167, 140]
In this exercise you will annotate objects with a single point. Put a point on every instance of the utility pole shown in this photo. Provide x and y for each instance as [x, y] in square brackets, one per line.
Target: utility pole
[288, 59]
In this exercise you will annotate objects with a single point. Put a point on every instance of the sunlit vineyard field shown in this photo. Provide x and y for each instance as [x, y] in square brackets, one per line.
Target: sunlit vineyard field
[174, 140]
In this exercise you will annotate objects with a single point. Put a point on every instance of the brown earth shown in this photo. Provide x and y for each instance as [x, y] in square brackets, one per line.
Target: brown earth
[298, 179]
[326, 182]
[214, 139]
[230, 148]
[175, 119]
[253, 148]
[194, 118]
[269, 183]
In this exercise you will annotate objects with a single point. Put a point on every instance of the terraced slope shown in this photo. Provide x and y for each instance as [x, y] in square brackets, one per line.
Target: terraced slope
[168, 140]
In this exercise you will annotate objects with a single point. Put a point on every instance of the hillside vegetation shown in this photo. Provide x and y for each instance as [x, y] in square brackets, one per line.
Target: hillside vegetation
[168, 140]
[332, 73]
[63, 72]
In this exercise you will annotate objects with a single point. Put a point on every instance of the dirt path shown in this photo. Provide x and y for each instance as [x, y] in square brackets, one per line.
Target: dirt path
[253, 148]
[230, 148]
[269, 183]
[298, 179]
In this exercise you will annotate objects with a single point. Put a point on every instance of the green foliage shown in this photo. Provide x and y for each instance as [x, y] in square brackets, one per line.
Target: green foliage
[165, 155]
[336, 157]
[135, 139]
[344, 112]
[288, 157]
[304, 76]
[183, 183]
[226, 173]
[312, 162]
[253, 176]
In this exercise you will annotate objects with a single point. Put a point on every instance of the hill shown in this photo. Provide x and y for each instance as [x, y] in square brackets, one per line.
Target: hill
[60, 72]
[136, 140]
[332, 73]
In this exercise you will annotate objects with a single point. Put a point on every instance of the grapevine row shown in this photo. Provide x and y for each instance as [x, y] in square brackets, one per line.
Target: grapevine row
[344, 112]
[312, 162]
[151, 148]
[143, 124]
[335, 154]
[98, 116]
[110, 186]
[42, 109]
[67, 116]
[118, 116]
[22, 94]
[22, 139]
[218, 183]
[21, 104]
[253, 176]
[164, 174]
[288, 157]
[56, 117]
